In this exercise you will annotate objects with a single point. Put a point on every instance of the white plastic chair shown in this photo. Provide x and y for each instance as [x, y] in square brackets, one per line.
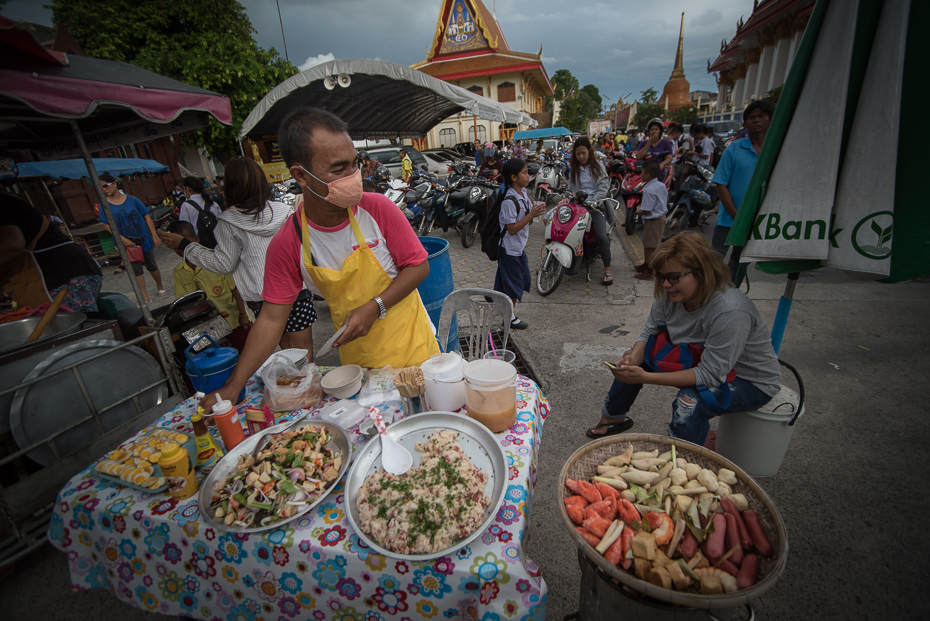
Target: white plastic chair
[481, 318]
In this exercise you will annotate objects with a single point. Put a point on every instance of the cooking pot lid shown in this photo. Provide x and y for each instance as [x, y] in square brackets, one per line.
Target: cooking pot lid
[214, 359]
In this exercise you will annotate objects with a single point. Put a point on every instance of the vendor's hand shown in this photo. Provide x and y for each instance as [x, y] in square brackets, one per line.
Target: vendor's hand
[230, 394]
[172, 240]
[358, 322]
[630, 374]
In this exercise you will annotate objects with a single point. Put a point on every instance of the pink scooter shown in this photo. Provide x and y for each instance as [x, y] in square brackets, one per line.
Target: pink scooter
[570, 240]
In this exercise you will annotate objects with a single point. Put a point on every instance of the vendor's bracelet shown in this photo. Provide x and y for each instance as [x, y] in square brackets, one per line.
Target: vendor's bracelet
[382, 310]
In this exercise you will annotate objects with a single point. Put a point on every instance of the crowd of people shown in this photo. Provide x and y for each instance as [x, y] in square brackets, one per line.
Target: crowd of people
[261, 261]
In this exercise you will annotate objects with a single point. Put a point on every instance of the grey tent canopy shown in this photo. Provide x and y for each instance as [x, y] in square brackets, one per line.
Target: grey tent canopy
[378, 100]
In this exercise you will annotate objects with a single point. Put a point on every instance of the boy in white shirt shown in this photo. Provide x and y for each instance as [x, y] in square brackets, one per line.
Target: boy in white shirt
[653, 210]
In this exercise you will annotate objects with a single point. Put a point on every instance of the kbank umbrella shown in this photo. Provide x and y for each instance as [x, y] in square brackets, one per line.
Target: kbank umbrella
[838, 182]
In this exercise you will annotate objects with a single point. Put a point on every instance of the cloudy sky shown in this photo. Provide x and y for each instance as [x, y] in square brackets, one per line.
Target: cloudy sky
[622, 46]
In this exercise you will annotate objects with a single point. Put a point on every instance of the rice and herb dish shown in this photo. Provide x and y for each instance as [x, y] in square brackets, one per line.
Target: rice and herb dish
[430, 507]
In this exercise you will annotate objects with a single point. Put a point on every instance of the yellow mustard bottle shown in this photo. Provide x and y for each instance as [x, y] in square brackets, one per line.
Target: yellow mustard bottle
[208, 453]
[176, 467]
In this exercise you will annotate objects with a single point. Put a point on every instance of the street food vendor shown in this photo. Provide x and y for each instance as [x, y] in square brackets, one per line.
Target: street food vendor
[355, 249]
[37, 260]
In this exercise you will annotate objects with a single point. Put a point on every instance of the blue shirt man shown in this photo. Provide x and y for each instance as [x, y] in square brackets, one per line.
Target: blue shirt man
[733, 174]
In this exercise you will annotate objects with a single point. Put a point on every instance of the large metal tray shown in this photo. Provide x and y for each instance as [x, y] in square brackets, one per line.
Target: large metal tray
[222, 469]
[41, 410]
[481, 446]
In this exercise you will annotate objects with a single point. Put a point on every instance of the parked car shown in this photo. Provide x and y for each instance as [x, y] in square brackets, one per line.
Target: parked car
[437, 164]
[467, 149]
[447, 154]
[388, 156]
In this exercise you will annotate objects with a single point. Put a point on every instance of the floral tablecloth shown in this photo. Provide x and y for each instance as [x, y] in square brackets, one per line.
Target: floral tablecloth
[155, 553]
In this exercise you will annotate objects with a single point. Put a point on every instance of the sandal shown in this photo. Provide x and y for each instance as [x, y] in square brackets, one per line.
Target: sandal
[612, 428]
[607, 282]
[162, 293]
[119, 271]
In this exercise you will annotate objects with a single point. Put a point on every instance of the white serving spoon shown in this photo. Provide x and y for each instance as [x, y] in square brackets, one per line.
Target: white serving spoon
[395, 459]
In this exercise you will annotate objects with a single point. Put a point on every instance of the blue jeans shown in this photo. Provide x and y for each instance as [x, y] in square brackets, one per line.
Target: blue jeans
[690, 414]
[718, 241]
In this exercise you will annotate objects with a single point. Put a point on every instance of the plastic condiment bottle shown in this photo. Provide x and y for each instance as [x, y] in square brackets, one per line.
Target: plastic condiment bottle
[176, 467]
[208, 453]
[227, 421]
[207, 416]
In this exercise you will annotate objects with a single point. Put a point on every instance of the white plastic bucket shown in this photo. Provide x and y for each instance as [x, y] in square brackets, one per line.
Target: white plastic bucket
[445, 388]
[757, 441]
[491, 393]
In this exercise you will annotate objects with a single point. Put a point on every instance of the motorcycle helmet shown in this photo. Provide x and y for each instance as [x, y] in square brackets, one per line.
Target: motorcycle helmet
[490, 151]
[383, 173]
[656, 121]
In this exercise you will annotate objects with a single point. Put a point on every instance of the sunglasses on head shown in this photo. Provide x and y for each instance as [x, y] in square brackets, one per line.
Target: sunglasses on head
[671, 277]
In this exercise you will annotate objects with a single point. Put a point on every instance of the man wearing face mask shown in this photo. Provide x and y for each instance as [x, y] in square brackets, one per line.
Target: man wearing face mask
[355, 249]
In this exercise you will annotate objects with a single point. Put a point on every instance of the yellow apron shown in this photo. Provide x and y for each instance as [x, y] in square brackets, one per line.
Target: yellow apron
[403, 338]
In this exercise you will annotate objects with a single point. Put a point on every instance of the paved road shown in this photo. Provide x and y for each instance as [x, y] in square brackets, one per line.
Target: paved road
[850, 489]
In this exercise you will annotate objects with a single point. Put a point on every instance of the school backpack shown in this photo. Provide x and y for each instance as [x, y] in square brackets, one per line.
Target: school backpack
[206, 222]
[492, 235]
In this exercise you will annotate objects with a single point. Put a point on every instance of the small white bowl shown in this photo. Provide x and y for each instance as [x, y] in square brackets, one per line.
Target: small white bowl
[343, 382]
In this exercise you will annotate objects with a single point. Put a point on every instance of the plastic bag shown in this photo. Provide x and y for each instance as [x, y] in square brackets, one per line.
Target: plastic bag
[288, 388]
[379, 389]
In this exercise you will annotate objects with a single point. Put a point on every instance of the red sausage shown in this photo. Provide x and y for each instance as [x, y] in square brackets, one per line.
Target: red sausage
[729, 567]
[627, 538]
[733, 540]
[588, 536]
[689, 544]
[716, 541]
[748, 572]
[614, 554]
[757, 533]
[744, 537]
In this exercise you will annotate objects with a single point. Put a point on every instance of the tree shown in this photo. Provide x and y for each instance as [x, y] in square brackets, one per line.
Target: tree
[594, 96]
[649, 95]
[686, 115]
[205, 43]
[564, 84]
[773, 95]
[646, 113]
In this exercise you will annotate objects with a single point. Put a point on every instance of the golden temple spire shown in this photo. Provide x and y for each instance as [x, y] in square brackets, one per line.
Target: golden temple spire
[679, 70]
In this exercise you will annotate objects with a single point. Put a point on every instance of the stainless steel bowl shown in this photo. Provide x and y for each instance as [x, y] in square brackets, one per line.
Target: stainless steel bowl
[248, 445]
[15, 333]
[481, 446]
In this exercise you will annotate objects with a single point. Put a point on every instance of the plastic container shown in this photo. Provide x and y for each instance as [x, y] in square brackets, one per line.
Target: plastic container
[208, 453]
[345, 413]
[178, 471]
[501, 354]
[227, 421]
[209, 370]
[437, 286]
[491, 393]
[445, 386]
[757, 441]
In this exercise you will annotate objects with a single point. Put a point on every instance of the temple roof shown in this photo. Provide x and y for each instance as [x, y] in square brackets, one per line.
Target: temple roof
[764, 13]
[468, 42]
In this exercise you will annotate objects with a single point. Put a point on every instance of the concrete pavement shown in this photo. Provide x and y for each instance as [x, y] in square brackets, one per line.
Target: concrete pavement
[849, 490]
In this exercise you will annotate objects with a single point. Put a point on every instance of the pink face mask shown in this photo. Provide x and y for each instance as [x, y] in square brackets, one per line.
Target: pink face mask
[345, 192]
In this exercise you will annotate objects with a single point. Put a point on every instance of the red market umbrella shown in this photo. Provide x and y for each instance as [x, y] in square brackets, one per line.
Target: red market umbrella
[49, 102]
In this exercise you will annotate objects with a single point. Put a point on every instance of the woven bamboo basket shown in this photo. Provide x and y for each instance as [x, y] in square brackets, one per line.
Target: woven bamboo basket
[583, 465]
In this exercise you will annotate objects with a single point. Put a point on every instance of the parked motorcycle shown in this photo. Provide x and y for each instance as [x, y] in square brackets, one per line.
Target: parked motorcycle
[696, 202]
[479, 199]
[163, 214]
[550, 179]
[632, 190]
[432, 200]
[570, 240]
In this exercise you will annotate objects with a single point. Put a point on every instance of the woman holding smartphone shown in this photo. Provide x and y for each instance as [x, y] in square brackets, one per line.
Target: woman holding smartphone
[695, 306]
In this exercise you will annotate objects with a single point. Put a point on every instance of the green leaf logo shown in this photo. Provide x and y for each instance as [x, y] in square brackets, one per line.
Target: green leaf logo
[880, 223]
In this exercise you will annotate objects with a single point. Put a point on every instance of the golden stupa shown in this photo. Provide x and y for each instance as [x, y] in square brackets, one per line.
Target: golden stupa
[676, 93]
